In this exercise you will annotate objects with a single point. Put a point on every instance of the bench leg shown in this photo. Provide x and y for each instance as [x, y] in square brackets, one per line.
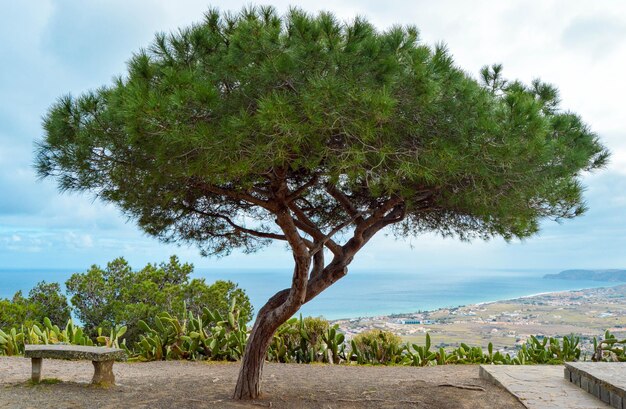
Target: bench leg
[36, 373]
[103, 373]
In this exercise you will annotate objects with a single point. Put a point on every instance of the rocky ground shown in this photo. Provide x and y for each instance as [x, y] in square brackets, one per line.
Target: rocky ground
[209, 385]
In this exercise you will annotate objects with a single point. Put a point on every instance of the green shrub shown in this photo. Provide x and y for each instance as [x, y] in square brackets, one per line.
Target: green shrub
[550, 350]
[49, 302]
[306, 340]
[209, 336]
[44, 300]
[300, 340]
[609, 349]
[117, 296]
[52, 334]
[419, 355]
[212, 335]
[335, 344]
[377, 347]
[11, 342]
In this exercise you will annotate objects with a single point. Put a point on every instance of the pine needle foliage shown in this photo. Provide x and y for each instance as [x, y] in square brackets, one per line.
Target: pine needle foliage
[197, 139]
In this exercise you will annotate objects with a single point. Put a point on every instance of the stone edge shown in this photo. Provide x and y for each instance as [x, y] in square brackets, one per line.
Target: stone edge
[599, 388]
[485, 374]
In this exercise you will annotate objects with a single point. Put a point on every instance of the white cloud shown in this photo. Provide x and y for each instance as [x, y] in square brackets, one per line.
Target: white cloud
[618, 160]
[71, 45]
[77, 241]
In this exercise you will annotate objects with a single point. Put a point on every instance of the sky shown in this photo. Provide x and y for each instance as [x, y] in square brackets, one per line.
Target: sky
[49, 48]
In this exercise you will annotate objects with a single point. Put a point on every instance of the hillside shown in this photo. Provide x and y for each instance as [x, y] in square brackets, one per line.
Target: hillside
[595, 275]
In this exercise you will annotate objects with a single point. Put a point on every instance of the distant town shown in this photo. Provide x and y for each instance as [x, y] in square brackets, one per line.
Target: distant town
[508, 324]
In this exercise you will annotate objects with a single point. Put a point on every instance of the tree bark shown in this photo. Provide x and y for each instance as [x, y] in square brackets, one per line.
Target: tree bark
[249, 380]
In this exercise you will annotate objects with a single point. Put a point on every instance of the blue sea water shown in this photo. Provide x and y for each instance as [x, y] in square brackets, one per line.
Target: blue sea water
[360, 293]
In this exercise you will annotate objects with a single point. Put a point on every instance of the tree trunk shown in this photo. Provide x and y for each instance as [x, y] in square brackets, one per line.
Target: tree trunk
[287, 302]
[267, 322]
[249, 381]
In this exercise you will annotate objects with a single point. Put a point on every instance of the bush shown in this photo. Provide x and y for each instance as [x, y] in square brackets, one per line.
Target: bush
[299, 340]
[49, 302]
[609, 349]
[12, 342]
[14, 312]
[44, 300]
[207, 336]
[377, 347]
[118, 296]
[215, 336]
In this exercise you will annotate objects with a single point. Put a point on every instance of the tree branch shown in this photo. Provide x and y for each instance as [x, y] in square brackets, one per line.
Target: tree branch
[344, 201]
[330, 274]
[302, 258]
[305, 224]
[237, 227]
[318, 265]
[296, 193]
[396, 215]
[378, 214]
[237, 195]
[322, 242]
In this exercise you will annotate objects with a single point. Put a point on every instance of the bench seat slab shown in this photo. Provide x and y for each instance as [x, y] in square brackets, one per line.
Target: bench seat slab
[73, 352]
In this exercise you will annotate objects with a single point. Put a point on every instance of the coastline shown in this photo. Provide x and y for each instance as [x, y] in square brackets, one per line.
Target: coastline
[480, 303]
[406, 293]
[544, 293]
[363, 293]
[508, 323]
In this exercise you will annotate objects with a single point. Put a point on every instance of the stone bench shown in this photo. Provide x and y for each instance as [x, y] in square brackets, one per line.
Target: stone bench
[101, 357]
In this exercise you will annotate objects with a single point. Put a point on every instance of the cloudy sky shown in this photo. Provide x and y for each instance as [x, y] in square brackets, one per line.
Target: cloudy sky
[51, 47]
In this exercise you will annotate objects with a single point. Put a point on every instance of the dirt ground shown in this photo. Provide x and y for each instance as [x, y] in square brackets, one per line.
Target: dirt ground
[177, 384]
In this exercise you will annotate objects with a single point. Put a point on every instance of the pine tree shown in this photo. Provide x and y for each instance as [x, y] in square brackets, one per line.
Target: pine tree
[249, 128]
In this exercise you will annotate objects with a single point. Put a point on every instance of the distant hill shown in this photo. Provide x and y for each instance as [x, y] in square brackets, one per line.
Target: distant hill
[595, 275]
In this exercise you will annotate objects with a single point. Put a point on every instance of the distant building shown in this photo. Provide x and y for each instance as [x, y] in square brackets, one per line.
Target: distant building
[417, 322]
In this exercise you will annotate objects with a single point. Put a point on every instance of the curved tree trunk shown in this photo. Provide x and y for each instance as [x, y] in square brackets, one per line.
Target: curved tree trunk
[267, 322]
[277, 310]
[285, 303]
[249, 381]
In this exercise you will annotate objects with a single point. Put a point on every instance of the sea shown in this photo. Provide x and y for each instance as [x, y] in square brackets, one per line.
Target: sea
[361, 293]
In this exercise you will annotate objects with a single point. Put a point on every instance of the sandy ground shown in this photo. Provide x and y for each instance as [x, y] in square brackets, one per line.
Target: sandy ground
[179, 384]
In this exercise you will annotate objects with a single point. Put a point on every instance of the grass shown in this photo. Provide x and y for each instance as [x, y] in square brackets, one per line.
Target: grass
[45, 381]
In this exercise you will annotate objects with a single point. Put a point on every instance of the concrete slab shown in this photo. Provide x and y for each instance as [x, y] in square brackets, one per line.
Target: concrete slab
[604, 380]
[540, 386]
